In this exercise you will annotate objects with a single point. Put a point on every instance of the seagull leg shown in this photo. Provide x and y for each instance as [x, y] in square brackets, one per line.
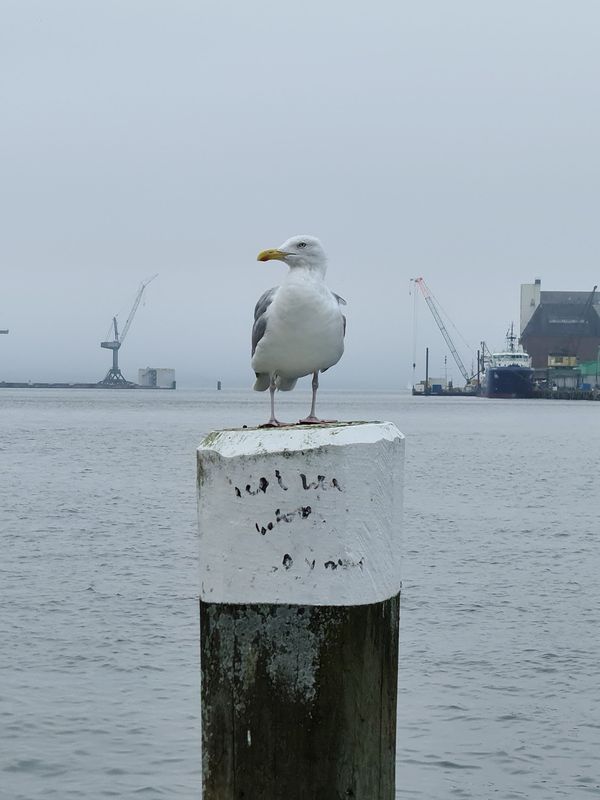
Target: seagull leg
[312, 419]
[273, 422]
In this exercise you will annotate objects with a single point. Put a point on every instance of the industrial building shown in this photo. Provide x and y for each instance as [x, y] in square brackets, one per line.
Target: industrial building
[559, 329]
[156, 378]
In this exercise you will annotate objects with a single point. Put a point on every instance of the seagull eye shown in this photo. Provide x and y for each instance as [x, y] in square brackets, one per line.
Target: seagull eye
[301, 244]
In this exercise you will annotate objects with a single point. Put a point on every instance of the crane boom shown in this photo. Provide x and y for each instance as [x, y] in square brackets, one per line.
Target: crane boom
[134, 308]
[436, 315]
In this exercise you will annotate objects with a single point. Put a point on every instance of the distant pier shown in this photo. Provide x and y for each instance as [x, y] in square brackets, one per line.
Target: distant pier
[36, 385]
[538, 394]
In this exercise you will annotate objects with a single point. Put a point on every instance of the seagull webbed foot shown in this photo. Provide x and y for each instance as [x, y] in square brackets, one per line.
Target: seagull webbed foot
[310, 420]
[273, 423]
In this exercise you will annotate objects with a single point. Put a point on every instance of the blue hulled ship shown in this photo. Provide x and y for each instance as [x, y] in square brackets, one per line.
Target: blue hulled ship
[509, 373]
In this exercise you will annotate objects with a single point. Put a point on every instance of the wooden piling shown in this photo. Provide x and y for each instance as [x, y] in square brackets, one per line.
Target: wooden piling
[299, 608]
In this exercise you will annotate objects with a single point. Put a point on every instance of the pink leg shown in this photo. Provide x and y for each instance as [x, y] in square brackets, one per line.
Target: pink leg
[273, 422]
[312, 419]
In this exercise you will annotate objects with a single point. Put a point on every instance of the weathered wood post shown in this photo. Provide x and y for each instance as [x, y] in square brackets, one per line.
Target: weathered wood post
[299, 609]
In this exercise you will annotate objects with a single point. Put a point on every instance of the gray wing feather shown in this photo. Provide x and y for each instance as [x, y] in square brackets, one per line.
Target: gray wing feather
[341, 302]
[260, 320]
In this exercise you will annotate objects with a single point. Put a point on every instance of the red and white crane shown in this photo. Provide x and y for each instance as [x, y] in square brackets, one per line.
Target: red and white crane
[440, 323]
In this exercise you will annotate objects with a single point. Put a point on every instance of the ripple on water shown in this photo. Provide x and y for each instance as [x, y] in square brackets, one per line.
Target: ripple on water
[499, 647]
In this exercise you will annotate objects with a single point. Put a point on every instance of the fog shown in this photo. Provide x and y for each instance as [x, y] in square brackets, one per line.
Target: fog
[457, 141]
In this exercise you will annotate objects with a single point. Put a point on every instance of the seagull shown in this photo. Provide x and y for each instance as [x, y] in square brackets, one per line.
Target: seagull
[298, 327]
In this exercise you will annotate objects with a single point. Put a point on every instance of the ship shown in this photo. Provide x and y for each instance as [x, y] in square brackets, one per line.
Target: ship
[508, 373]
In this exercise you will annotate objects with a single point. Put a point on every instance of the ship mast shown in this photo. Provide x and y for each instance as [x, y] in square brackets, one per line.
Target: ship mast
[510, 338]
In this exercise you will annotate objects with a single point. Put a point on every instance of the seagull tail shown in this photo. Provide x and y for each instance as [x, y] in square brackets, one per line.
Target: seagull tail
[263, 381]
[285, 384]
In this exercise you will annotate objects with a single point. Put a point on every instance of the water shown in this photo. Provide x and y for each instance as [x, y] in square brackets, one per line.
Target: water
[500, 643]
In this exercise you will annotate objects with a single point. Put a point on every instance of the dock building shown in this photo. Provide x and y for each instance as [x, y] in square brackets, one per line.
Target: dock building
[559, 329]
[157, 378]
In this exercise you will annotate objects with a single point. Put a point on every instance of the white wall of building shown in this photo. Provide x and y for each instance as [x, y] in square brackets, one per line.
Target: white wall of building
[161, 377]
[530, 300]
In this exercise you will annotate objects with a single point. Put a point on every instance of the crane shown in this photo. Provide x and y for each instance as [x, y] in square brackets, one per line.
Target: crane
[436, 315]
[114, 376]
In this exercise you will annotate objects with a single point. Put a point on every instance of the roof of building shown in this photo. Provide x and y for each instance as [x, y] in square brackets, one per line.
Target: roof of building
[563, 317]
[572, 298]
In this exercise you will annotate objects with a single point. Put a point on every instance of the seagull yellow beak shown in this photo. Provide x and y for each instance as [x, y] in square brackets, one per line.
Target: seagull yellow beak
[270, 255]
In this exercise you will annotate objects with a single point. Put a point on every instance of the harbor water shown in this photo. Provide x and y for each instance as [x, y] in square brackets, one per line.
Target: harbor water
[500, 618]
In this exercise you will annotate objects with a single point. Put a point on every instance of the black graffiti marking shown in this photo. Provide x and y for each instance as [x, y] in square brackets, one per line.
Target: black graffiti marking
[262, 528]
[303, 512]
[285, 517]
[279, 481]
[262, 487]
[345, 563]
[317, 485]
[320, 483]
[342, 563]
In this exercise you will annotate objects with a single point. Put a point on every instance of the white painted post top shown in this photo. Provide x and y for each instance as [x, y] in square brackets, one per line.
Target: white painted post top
[305, 515]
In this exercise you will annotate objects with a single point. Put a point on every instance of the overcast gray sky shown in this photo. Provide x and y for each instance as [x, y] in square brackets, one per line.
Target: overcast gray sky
[454, 140]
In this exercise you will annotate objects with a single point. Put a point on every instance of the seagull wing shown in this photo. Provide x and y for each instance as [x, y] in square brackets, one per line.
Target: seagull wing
[341, 302]
[260, 319]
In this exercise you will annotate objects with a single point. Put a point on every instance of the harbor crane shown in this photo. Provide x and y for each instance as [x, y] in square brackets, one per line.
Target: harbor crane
[436, 315]
[114, 376]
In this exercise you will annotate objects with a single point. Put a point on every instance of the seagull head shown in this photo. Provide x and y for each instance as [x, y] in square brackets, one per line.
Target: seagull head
[304, 252]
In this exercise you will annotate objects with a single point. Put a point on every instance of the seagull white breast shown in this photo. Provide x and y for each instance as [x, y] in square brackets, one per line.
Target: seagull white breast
[304, 330]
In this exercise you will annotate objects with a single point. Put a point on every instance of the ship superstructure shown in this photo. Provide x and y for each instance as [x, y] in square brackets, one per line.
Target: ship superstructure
[508, 373]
